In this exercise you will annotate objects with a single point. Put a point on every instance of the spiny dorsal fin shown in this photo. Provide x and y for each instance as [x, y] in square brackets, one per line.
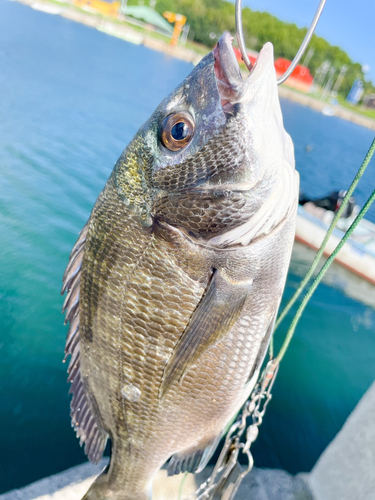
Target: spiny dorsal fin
[83, 420]
[215, 315]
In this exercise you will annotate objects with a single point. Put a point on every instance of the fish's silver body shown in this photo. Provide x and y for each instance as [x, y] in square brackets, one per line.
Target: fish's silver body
[179, 272]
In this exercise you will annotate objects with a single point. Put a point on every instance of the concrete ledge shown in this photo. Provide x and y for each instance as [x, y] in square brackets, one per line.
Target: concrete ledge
[71, 484]
[346, 469]
[260, 484]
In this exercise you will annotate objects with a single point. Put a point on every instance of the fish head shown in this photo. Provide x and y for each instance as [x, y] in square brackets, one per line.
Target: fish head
[253, 109]
[217, 138]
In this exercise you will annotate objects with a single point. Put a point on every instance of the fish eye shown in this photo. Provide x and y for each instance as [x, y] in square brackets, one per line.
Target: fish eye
[177, 130]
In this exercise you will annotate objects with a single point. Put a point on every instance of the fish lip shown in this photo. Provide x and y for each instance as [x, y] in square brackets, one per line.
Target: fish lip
[226, 65]
[227, 71]
[231, 85]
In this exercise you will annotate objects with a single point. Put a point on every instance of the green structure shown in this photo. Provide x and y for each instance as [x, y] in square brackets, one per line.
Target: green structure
[149, 16]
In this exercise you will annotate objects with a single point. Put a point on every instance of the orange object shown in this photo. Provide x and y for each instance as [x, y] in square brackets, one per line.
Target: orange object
[179, 21]
[300, 79]
[106, 8]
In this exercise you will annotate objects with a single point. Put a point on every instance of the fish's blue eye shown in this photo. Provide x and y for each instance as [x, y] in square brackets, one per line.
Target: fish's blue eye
[177, 130]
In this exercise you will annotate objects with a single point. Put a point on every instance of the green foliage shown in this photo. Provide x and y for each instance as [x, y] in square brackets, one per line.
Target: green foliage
[208, 19]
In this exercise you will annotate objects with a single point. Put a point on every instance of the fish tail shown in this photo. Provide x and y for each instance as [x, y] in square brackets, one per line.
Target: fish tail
[104, 488]
[99, 491]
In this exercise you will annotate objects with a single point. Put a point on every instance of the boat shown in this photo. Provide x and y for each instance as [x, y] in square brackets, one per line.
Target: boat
[328, 111]
[358, 253]
[337, 276]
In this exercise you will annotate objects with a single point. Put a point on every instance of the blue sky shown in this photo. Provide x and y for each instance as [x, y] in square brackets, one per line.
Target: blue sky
[349, 24]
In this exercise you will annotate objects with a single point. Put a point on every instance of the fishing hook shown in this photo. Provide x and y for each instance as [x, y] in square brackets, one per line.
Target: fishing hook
[301, 50]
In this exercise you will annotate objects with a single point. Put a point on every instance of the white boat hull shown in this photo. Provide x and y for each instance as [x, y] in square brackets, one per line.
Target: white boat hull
[354, 256]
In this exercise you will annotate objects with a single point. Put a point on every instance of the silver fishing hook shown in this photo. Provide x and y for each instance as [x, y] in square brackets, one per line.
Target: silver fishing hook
[301, 50]
[240, 37]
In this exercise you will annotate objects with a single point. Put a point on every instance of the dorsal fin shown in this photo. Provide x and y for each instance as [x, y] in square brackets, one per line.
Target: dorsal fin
[83, 419]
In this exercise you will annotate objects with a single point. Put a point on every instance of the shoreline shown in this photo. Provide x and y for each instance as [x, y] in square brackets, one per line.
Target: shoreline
[131, 35]
[339, 111]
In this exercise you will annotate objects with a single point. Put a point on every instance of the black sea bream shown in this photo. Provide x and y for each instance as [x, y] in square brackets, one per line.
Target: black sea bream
[176, 279]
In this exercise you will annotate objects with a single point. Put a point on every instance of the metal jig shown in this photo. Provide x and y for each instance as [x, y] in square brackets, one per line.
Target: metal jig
[301, 50]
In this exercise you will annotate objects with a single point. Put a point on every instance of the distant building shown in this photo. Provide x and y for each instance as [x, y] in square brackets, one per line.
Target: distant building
[300, 78]
[106, 8]
[140, 15]
[356, 92]
[369, 101]
[149, 16]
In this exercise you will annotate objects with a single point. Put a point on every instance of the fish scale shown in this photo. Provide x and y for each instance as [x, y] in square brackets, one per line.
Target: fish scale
[175, 281]
[142, 375]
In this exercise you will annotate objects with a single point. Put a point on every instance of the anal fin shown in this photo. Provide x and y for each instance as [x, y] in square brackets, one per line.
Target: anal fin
[218, 310]
[193, 460]
[184, 463]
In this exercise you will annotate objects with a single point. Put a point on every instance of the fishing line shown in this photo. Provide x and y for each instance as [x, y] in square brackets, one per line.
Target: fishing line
[319, 254]
[182, 486]
[328, 234]
[328, 262]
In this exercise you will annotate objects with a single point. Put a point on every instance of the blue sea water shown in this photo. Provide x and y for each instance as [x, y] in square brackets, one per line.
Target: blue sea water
[71, 99]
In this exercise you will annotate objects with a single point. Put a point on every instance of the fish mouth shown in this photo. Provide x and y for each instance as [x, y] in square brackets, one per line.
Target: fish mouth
[231, 85]
[227, 71]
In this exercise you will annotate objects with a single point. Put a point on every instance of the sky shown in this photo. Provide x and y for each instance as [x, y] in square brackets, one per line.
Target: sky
[350, 24]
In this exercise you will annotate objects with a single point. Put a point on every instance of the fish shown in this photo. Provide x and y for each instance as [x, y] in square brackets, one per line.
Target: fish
[174, 283]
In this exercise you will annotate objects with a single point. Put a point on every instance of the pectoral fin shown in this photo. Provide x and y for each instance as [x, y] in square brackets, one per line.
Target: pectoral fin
[214, 316]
